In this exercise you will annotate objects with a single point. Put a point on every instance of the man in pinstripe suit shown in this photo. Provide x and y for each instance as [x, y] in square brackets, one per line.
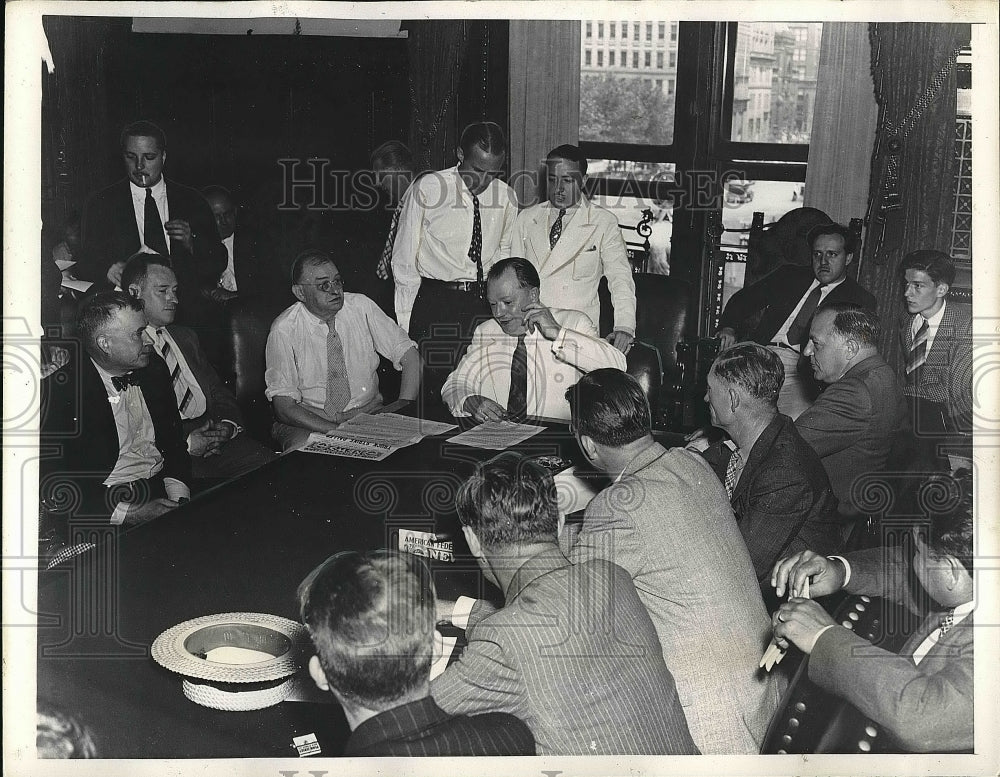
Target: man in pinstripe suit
[371, 619]
[573, 652]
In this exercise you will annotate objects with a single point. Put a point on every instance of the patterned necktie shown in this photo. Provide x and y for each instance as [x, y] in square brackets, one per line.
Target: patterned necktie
[517, 399]
[385, 261]
[123, 382]
[946, 622]
[732, 472]
[556, 230]
[182, 386]
[152, 227]
[476, 247]
[918, 350]
[338, 388]
[800, 326]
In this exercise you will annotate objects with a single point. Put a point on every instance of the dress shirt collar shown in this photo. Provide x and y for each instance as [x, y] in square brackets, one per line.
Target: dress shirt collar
[827, 288]
[933, 322]
[962, 611]
[158, 189]
[106, 376]
[313, 321]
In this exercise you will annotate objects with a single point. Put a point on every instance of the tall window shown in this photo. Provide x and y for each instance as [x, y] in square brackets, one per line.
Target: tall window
[600, 58]
[648, 59]
[661, 31]
[659, 60]
[611, 58]
[589, 29]
[600, 30]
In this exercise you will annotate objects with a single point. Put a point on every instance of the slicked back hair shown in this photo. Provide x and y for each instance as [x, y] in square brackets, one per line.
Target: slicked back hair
[485, 134]
[752, 367]
[143, 129]
[951, 527]
[311, 257]
[570, 153]
[853, 321]
[392, 155]
[610, 407]
[510, 500]
[371, 618]
[137, 268]
[98, 311]
[527, 275]
[936, 264]
[850, 239]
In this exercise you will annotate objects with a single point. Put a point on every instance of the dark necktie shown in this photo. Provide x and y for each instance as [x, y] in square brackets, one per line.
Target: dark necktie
[476, 246]
[123, 382]
[556, 230]
[152, 227]
[799, 329]
[517, 399]
[917, 354]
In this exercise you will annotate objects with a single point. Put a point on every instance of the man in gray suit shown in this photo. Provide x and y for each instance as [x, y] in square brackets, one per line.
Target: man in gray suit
[923, 696]
[668, 521]
[572, 653]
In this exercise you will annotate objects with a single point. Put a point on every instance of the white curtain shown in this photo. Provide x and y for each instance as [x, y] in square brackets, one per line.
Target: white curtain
[844, 120]
[544, 97]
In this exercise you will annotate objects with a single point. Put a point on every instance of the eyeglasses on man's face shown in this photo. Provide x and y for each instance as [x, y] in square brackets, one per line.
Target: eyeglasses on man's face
[325, 286]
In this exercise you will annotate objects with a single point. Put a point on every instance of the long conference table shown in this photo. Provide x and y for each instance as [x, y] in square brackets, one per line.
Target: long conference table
[242, 547]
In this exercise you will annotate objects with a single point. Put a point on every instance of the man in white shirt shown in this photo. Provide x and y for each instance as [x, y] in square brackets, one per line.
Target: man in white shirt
[573, 244]
[210, 416]
[322, 354]
[453, 226]
[936, 339]
[110, 417]
[522, 360]
[787, 299]
[923, 696]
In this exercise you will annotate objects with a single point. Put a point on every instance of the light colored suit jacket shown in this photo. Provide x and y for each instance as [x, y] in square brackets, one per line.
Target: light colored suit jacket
[574, 655]
[553, 366]
[591, 246]
[667, 520]
[925, 707]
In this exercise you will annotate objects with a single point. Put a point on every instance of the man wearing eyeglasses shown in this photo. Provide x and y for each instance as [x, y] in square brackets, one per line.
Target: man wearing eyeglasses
[322, 354]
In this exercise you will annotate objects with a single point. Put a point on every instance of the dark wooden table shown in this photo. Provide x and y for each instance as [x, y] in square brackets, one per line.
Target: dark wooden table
[243, 547]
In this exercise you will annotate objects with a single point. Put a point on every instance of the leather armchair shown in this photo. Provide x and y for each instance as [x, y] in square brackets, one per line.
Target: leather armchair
[643, 364]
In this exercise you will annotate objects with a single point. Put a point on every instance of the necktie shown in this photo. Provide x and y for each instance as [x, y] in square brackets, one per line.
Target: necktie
[556, 230]
[733, 472]
[800, 326]
[947, 621]
[385, 261]
[152, 227]
[338, 388]
[517, 399]
[918, 350]
[123, 382]
[476, 246]
[182, 388]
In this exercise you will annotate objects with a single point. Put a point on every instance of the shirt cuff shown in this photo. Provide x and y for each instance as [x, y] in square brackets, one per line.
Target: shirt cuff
[818, 635]
[236, 427]
[463, 608]
[630, 331]
[118, 516]
[176, 489]
[847, 569]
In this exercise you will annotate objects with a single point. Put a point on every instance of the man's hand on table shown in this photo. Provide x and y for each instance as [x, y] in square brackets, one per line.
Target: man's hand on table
[800, 621]
[483, 409]
[824, 575]
[208, 439]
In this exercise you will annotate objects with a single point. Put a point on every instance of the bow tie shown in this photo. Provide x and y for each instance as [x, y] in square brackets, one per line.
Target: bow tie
[123, 382]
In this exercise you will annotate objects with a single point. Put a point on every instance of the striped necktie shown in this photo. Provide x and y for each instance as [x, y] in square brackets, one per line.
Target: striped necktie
[476, 246]
[190, 404]
[384, 266]
[733, 473]
[556, 230]
[338, 387]
[918, 350]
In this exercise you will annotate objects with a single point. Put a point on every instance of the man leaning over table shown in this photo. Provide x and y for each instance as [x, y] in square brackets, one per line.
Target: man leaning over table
[322, 354]
[371, 619]
[521, 361]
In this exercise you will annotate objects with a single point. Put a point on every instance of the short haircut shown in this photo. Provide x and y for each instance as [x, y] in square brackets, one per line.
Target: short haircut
[951, 529]
[371, 618]
[569, 153]
[143, 129]
[311, 257]
[936, 264]
[527, 275]
[854, 321]
[509, 500]
[137, 268]
[214, 189]
[485, 134]
[98, 311]
[850, 239]
[752, 367]
[610, 407]
[392, 155]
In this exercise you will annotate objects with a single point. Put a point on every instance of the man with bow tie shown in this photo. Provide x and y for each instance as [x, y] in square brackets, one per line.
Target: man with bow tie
[573, 244]
[923, 696]
[521, 361]
[110, 427]
[210, 416]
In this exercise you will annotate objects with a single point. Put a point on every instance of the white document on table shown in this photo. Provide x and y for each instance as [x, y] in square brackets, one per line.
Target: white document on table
[496, 435]
[76, 285]
[335, 445]
[390, 429]
[573, 493]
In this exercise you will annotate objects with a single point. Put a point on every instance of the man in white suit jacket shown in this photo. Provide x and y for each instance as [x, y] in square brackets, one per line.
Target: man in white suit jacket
[573, 244]
[559, 347]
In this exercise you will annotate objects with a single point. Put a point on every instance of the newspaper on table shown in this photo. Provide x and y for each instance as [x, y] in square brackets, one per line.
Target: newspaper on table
[373, 437]
[496, 435]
